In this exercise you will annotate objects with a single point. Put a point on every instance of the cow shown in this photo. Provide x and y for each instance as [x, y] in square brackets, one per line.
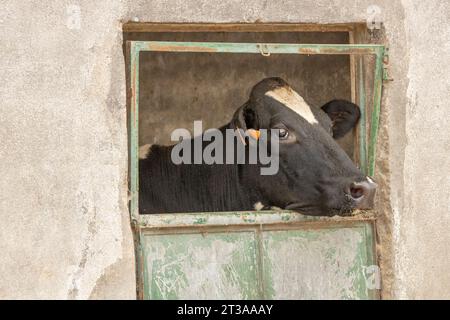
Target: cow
[315, 176]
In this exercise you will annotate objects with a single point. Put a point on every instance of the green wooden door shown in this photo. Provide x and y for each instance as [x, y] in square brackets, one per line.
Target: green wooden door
[304, 258]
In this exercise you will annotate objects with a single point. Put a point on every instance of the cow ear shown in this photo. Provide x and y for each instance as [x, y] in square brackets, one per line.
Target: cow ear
[245, 117]
[343, 114]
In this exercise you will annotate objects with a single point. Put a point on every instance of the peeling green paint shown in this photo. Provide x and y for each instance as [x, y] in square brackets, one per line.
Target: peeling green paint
[325, 262]
[183, 266]
[200, 220]
[248, 219]
[315, 264]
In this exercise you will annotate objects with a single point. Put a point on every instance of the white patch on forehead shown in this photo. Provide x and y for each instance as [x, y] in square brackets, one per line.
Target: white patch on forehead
[293, 101]
[258, 206]
[143, 151]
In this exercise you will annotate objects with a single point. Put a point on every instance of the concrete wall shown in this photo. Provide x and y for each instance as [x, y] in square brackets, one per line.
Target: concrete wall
[423, 216]
[65, 231]
[64, 227]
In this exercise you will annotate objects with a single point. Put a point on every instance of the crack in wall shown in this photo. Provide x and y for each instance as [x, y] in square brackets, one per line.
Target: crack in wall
[91, 231]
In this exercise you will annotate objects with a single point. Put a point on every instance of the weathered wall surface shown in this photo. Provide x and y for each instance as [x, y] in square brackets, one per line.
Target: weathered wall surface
[422, 230]
[65, 230]
[63, 153]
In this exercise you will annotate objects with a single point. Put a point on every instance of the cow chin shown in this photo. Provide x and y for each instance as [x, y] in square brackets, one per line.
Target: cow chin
[345, 210]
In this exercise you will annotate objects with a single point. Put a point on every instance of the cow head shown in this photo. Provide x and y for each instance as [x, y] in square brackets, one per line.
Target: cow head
[315, 175]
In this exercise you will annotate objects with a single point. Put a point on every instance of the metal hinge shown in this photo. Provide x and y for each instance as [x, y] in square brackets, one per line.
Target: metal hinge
[264, 50]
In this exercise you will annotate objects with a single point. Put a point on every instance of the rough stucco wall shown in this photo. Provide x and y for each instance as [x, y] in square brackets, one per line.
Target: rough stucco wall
[423, 252]
[63, 152]
[64, 231]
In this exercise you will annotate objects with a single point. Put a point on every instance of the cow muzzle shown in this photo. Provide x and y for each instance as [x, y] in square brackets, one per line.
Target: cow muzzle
[362, 194]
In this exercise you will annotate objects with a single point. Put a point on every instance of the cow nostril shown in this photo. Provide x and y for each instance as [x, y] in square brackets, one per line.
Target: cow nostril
[356, 192]
[362, 193]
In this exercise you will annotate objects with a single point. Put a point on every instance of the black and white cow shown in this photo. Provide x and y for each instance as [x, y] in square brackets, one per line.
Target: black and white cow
[315, 176]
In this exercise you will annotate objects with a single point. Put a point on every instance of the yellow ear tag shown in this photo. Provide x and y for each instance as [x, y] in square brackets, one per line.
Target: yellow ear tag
[255, 134]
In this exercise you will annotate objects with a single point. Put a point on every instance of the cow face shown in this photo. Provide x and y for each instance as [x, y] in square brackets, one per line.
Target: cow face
[315, 175]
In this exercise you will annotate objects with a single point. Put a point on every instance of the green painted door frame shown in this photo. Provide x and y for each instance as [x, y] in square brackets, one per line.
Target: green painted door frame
[260, 225]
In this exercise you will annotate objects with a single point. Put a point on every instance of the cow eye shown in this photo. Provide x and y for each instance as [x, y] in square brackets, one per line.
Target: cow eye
[283, 133]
